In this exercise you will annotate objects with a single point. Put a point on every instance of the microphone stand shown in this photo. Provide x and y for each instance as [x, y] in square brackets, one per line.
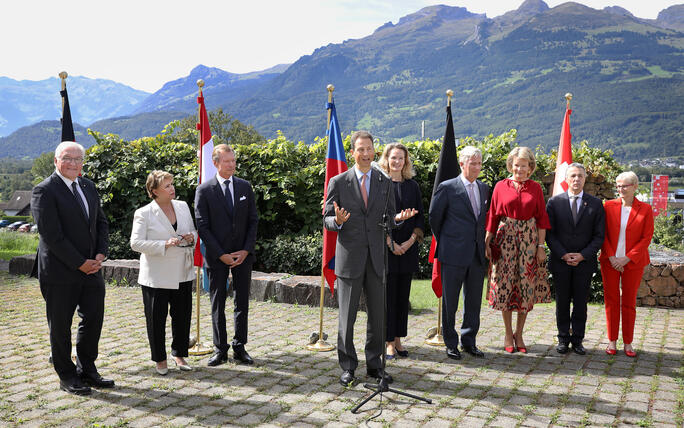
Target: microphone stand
[383, 385]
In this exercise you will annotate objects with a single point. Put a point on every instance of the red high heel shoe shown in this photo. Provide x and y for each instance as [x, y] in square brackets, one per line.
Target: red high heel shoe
[631, 353]
[611, 351]
[520, 348]
[511, 349]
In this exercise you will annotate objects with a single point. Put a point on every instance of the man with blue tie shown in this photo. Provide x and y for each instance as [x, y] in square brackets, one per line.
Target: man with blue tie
[74, 236]
[226, 216]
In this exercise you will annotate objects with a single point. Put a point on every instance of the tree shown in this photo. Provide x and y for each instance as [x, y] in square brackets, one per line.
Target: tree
[224, 129]
[43, 166]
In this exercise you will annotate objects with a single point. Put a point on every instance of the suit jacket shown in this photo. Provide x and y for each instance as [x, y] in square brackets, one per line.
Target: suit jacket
[454, 224]
[362, 233]
[67, 237]
[565, 236]
[162, 267]
[638, 234]
[221, 232]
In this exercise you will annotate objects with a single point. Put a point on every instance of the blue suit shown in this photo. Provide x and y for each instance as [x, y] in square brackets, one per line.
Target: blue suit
[461, 251]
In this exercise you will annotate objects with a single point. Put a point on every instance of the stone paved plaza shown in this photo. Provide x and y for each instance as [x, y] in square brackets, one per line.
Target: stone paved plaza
[290, 386]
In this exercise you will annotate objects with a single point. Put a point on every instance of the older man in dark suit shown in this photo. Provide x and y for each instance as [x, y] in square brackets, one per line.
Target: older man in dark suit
[226, 216]
[458, 214]
[575, 237]
[74, 237]
[357, 201]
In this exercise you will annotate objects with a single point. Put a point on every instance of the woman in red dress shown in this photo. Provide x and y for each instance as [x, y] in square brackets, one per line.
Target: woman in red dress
[516, 229]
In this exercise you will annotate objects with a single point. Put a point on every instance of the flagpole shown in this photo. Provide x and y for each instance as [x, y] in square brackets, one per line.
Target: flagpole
[198, 349]
[321, 345]
[63, 75]
[434, 335]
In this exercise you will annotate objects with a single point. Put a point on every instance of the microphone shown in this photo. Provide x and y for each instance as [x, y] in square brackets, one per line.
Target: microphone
[376, 166]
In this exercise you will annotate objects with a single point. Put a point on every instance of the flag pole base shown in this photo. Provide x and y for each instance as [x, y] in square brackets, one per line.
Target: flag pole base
[199, 349]
[436, 340]
[320, 346]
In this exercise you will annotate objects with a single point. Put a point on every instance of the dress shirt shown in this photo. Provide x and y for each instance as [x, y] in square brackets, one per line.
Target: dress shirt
[359, 176]
[227, 182]
[624, 218]
[80, 191]
[476, 190]
[577, 202]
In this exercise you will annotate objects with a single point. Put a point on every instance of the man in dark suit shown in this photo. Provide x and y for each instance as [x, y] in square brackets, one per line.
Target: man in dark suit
[575, 237]
[458, 214]
[354, 208]
[74, 237]
[226, 216]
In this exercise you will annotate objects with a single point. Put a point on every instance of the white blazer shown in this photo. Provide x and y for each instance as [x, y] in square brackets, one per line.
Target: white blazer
[162, 267]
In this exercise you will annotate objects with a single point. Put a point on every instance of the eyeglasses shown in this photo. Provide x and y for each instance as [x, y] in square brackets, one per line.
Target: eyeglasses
[67, 159]
[623, 186]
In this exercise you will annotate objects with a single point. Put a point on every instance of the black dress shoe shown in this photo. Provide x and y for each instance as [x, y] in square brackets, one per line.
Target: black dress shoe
[562, 348]
[403, 353]
[472, 350]
[218, 358]
[378, 374]
[74, 386]
[347, 378]
[579, 349]
[94, 379]
[242, 356]
[453, 353]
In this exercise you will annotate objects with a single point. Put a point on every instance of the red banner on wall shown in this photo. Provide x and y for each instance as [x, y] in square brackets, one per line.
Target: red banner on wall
[659, 185]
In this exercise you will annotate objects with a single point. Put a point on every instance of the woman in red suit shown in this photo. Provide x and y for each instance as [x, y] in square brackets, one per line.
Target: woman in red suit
[629, 229]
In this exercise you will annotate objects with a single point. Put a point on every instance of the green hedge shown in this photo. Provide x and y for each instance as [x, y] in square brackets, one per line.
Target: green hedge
[14, 218]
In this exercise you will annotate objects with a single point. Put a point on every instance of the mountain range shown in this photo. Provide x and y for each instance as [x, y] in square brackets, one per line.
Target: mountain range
[626, 74]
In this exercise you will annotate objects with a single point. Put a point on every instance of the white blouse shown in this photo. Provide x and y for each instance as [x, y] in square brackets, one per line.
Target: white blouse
[624, 217]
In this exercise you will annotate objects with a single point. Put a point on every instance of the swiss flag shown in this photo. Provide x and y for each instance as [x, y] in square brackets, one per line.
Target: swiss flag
[564, 155]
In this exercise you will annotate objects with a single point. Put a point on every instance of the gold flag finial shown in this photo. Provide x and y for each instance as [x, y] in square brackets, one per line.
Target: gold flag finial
[449, 94]
[568, 98]
[63, 75]
[330, 87]
[200, 83]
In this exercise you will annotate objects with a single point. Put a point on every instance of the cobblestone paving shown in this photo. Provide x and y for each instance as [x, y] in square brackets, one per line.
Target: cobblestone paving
[292, 386]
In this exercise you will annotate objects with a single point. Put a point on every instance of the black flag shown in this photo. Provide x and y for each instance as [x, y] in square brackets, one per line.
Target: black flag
[447, 168]
[67, 125]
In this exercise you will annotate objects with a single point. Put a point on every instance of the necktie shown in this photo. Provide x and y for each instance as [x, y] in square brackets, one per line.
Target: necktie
[473, 201]
[364, 193]
[229, 197]
[573, 202]
[78, 198]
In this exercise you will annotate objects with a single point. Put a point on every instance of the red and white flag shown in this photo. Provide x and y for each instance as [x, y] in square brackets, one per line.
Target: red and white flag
[206, 167]
[564, 155]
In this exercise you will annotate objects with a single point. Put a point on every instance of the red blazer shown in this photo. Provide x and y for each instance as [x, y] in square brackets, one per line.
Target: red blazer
[638, 233]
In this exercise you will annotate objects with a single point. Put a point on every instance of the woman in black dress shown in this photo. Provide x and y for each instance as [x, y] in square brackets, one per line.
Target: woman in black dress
[403, 260]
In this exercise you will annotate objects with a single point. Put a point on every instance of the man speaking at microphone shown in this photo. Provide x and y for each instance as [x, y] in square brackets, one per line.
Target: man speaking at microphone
[357, 200]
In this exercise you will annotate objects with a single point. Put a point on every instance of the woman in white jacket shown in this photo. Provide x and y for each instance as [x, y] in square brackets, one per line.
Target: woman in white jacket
[164, 234]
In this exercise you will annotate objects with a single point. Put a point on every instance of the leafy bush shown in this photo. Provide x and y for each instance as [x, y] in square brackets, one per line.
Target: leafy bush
[294, 254]
[669, 231]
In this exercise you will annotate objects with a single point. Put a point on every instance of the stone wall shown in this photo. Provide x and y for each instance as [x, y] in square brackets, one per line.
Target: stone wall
[663, 280]
[596, 185]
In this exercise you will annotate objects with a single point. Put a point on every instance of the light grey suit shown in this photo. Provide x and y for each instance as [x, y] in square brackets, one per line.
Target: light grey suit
[359, 261]
[461, 251]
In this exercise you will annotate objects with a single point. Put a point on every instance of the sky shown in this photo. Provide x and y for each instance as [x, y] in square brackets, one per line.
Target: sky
[146, 43]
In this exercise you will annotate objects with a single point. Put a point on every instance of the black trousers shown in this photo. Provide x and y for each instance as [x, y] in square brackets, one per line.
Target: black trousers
[572, 284]
[471, 280]
[242, 278]
[157, 302]
[61, 300]
[398, 291]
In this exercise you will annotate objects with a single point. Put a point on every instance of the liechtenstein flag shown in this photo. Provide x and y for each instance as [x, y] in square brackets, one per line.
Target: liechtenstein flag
[335, 163]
